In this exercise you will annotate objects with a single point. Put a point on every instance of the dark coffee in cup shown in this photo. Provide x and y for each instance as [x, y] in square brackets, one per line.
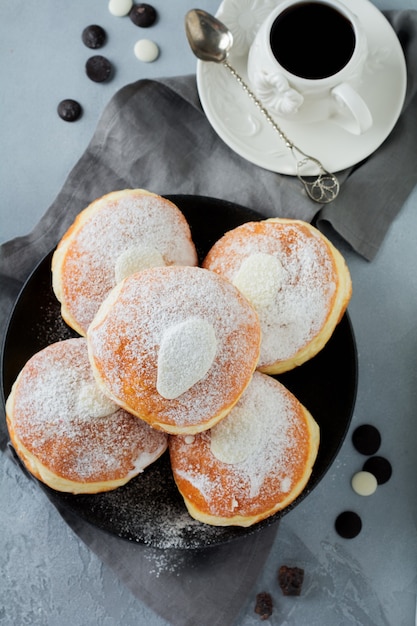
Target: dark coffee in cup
[312, 40]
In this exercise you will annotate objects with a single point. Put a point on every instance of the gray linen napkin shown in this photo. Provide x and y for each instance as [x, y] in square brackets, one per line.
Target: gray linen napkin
[206, 587]
[374, 192]
[153, 134]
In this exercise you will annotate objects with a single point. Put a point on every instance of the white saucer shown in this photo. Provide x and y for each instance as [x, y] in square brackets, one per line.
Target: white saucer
[241, 125]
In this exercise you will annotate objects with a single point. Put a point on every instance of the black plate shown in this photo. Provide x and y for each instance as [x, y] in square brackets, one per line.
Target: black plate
[149, 508]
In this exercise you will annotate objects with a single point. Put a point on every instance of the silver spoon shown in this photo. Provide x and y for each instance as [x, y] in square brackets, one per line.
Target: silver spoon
[211, 40]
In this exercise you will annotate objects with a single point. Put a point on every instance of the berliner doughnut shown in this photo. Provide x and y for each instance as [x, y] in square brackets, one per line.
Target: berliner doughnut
[256, 461]
[116, 235]
[295, 278]
[67, 434]
[175, 346]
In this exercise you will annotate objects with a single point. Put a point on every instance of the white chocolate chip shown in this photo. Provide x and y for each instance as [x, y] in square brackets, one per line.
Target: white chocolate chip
[119, 8]
[146, 50]
[364, 483]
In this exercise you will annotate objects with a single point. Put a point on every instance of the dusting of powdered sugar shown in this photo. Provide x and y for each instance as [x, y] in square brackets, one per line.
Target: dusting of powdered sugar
[247, 474]
[125, 338]
[305, 281]
[62, 418]
[164, 562]
[122, 221]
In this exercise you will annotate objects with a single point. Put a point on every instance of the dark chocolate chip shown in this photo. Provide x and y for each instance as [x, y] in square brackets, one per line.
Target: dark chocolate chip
[348, 524]
[290, 580]
[380, 467]
[366, 439]
[98, 68]
[263, 606]
[94, 36]
[69, 110]
[143, 15]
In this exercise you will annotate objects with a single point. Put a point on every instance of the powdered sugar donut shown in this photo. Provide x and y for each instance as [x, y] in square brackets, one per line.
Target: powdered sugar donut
[116, 235]
[256, 461]
[67, 433]
[295, 278]
[176, 346]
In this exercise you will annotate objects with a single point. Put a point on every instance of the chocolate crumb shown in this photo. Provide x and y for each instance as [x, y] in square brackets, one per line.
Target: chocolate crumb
[290, 580]
[263, 605]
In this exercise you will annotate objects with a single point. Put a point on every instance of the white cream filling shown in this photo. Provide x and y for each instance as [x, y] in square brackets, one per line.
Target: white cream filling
[91, 403]
[136, 259]
[186, 354]
[259, 278]
[236, 437]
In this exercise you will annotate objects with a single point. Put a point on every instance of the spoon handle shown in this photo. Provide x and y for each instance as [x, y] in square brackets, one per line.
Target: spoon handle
[323, 188]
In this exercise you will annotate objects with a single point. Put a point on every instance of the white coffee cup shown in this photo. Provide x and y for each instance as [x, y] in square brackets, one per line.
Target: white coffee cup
[306, 62]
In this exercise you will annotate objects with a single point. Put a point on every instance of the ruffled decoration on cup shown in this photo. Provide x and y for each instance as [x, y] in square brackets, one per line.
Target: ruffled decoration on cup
[276, 94]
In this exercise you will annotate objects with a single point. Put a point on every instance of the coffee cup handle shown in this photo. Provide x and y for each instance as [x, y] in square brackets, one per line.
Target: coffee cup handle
[360, 116]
